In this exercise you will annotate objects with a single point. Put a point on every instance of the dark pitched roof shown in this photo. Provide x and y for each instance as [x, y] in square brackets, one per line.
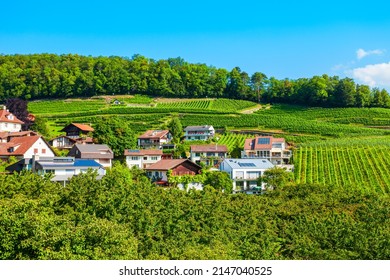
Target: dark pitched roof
[199, 128]
[92, 151]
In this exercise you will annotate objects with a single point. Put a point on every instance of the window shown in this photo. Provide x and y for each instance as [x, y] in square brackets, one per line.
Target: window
[35, 151]
[145, 158]
[43, 151]
[239, 174]
[197, 154]
[134, 158]
[153, 158]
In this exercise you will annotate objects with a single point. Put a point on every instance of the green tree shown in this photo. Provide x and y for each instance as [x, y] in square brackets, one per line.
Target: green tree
[176, 129]
[258, 81]
[219, 180]
[276, 177]
[116, 133]
[236, 151]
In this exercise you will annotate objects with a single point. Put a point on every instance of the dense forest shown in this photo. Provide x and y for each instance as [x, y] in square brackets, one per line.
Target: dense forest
[124, 216]
[62, 76]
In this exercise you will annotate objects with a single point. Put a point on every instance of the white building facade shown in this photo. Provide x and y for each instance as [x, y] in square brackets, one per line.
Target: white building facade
[142, 158]
[203, 132]
[245, 173]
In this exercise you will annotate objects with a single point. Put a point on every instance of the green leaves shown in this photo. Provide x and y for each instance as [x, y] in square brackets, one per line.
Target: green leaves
[123, 216]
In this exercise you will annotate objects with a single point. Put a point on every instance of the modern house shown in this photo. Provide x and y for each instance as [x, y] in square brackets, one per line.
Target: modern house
[211, 155]
[8, 122]
[203, 132]
[154, 139]
[101, 153]
[25, 147]
[62, 168]
[157, 172]
[77, 130]
[267, 147]
[142, 158]
[245, 173]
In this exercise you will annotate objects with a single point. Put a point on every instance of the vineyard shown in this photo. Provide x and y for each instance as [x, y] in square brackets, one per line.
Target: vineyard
[366, 166]
[197, 104]
[231, 140]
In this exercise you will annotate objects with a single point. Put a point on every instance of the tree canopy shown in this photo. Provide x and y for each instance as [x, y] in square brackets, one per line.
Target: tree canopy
[41, 76]
[124, 216]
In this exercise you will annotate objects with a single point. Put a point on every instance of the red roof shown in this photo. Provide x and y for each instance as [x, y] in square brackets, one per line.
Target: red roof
[150, 152]
[209, 148]
[168, 164]
[154, 134]
[261, 143]
[82, 127]
[6, 116]
[5, 134]
[20, 145]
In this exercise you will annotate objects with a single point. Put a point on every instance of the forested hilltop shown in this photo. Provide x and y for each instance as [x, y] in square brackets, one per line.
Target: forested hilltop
[62, 76]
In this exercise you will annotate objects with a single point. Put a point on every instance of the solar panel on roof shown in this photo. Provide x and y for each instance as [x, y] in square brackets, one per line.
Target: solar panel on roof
[246, 164]
[263, 141]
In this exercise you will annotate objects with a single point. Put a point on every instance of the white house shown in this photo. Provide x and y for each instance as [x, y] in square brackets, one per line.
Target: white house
[203, 132]
[245, 173]
[267, 147]
[8, 122]
[211, 154]
[154, 139]
[25, 147]
[142, 158]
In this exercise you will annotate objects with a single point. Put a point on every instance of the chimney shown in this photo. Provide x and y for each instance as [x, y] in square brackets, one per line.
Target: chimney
[35, 158]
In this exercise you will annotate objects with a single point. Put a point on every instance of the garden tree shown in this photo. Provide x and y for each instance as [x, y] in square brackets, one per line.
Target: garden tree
[116, 133]
[40, 125]
[276, 177]
[180, 151]
[18, 107]
[219, 180]
[176, 129]
[236, 151]
[258, 81]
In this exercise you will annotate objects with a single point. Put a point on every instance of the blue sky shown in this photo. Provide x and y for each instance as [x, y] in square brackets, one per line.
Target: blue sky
[283, 39]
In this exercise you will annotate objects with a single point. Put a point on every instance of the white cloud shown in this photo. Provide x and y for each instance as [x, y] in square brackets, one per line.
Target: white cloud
[360, 53]
[374, 74]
